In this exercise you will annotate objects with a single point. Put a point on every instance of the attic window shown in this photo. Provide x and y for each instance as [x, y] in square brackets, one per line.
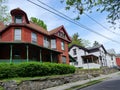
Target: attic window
[18, 19]
[61, 34]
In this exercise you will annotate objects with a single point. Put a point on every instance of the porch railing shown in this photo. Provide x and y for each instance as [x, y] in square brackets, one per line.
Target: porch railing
[15, 60]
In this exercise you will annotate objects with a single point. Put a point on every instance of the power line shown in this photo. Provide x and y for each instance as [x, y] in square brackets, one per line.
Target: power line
[76, 23]
[118, 34]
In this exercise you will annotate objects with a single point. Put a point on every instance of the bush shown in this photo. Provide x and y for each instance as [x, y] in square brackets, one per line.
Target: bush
[31, 69]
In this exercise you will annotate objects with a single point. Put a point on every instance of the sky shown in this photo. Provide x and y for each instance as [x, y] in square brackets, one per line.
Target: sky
[52, 21]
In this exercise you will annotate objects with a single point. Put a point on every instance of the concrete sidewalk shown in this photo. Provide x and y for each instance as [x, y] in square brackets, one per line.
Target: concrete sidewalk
[68, 85]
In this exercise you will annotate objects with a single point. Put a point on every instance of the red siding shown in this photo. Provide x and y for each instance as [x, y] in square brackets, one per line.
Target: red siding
[64, 52]
[118, 61]
[8, 35]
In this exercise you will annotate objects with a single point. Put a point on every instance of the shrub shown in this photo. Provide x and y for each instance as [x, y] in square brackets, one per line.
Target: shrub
[31, 69]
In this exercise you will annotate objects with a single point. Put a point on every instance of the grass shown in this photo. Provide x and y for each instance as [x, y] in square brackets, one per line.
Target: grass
[1, 88]
[20, 79]
[85, 85]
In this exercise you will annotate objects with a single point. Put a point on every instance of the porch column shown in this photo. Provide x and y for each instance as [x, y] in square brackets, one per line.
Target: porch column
[51, 57]
[92, 59]
[11, 53]
[27, 53]
[40, 56]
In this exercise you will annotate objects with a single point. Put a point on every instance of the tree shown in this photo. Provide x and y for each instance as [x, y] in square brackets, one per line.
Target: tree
[38, 22]
[4, 15]
[110, 6]
[96, 43]
[77, 41]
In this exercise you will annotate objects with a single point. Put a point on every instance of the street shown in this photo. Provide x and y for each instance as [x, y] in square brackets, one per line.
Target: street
[111, 84]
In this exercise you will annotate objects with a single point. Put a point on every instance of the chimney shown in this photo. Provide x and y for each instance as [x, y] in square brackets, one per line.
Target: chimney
[1, 25]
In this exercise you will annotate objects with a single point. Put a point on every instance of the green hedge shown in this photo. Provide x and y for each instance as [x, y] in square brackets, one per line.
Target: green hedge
[32, 69]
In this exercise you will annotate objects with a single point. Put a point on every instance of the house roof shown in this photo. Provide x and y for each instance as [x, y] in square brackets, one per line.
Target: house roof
[111, 52]
[18, 11]
[2, 26]
[80, 47]
[89, 56]
[33, 26]
[96, 48]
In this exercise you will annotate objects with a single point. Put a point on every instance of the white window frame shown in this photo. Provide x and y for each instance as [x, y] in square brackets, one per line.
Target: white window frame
[64, 60]
[62, 45]
[53, 43]
[34, 37]
[17, 34]
[18, 19]
[46, 42]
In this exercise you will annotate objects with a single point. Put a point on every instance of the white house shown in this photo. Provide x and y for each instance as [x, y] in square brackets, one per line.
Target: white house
[92, 57]
[100, 52]
[111, 58]
[83, 57]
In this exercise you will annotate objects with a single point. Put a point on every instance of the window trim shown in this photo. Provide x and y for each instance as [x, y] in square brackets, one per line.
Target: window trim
[33, 40]
[53, 46]
[16, 17]
[62, 45]
[16, 38]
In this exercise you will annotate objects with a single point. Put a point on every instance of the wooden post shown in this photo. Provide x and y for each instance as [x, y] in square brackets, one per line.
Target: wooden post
[40, 56]
[11, 53]
[27, 53]
[51, 57]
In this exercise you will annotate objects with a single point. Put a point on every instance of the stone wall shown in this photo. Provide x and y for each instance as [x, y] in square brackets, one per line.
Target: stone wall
[40, 84]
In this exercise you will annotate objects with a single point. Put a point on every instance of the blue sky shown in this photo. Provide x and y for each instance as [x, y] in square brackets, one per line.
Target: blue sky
[54, 21]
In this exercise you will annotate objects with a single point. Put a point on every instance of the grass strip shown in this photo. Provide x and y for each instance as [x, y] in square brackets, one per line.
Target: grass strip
[85, 85]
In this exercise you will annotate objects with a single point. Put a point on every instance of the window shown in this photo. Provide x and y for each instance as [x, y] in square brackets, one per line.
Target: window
[18, 19]
[74, 52]
[46, 42]
[76, 63]
[17, 54]
[17, 34]
[63, 59]
[53, 43]
[75, 58]
[62, 45]
[34, 38]
[111, 57]
[61, 34]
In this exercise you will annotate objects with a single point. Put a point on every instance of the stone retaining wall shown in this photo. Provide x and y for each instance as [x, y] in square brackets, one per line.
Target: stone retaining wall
[42, 83]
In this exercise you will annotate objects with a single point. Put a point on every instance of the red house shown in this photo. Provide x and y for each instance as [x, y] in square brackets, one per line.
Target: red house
[23, 41]
[118, 59]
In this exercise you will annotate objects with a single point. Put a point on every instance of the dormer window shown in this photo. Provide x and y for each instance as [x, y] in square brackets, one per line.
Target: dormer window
[18, 19]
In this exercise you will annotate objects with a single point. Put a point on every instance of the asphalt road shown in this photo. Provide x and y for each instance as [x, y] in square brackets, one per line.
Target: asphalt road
[111, 84]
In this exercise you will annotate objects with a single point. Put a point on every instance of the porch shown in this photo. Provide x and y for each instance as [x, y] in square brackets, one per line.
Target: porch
[26, 52]
[90, 61]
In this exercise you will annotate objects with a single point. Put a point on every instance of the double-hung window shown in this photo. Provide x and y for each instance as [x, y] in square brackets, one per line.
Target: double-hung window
[63, 59]
[53, 43]
[46, 42]
[17, 34]
[18, 19]
[62, 45]
[34, 37]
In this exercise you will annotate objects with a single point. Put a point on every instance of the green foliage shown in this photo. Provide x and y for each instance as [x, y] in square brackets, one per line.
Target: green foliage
[110, 6]
[4, 15]
[38, 22]
[78, 41]
[32, 69]
[96, 43]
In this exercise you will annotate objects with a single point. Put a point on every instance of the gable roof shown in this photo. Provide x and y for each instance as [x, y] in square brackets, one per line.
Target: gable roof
[56, 30]
[96, 48]
[34, 26]
[80, 47]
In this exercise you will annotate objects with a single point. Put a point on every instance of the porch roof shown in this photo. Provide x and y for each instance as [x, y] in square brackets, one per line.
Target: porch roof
[89, 56]
[32, 44]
